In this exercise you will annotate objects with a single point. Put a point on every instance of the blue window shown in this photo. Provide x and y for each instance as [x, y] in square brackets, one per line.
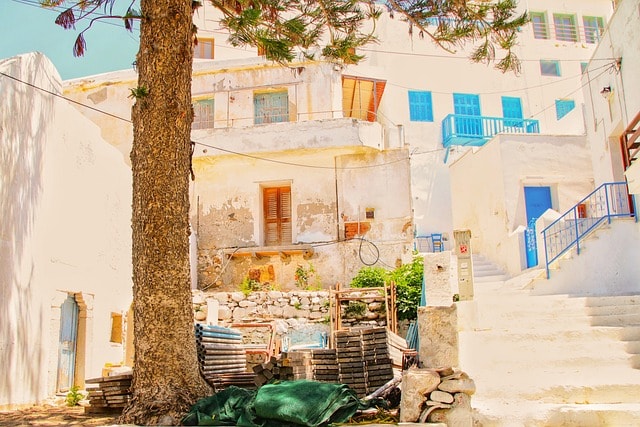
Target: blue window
[420, 106]
[203, 110]
[271, 107]
[549, 68]
[464, 105]
[593, 28]
[563, 107]
[512, 109]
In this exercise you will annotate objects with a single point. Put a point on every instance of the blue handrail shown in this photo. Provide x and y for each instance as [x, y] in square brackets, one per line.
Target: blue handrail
[608, 201]
[465, 127]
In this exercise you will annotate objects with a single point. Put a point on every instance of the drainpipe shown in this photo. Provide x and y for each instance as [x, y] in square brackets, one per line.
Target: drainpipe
[335, 177]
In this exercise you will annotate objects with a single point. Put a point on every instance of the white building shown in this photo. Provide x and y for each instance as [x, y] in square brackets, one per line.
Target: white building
[65, 259]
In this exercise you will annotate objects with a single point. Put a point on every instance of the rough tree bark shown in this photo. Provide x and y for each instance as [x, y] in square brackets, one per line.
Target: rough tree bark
[166, 378]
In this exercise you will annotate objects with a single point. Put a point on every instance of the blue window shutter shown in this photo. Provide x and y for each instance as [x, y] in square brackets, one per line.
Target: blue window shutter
[563, 107]
[512, 109]
[466, 103]
[420, 106]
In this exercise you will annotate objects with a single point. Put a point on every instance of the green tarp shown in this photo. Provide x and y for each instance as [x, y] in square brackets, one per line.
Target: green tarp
[282, 404]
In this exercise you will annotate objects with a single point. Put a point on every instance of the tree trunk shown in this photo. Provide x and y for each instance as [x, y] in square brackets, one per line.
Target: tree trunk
[166, 379]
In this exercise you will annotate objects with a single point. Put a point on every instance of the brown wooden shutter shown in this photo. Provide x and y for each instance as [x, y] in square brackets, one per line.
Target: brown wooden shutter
[277, 216]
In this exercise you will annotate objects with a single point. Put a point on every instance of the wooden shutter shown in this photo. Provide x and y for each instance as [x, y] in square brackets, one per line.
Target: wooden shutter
[277, 216]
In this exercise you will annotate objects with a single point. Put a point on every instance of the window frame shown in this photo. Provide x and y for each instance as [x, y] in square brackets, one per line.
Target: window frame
[275, 113]
[564, 107]
[283, 218]
[592, 33]
[544, 63]
[565, 32]
[507, 111]
[540, 29]
[420, 106]
[208, 120]
[199, 50]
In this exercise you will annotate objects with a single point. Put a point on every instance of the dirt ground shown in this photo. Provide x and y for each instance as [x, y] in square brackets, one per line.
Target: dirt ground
[53, 415]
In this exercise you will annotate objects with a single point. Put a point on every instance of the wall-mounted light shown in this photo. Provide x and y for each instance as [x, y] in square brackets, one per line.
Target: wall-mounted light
[605, 92]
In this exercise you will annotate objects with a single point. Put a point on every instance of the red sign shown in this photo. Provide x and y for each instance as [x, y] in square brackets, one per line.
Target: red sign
[463, 249]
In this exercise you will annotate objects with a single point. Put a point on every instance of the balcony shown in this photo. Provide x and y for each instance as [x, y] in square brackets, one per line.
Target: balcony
[475, 131]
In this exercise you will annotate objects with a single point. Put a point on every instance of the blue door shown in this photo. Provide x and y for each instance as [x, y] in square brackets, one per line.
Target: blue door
[67, 344]
[512, 109]
[537, 201]
[467, 105]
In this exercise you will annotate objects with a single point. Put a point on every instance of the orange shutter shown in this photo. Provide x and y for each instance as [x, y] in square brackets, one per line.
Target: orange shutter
[277, 216]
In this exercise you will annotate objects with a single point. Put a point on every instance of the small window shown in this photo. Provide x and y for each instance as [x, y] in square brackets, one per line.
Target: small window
[277, 215]
[539, 23]
[116, 328]
[204, 49]
[584, 66]
[549, 68]
[565, 26]
[563, 107]
[203, 113]
[512, 109]
[271, 107]
[593, 28]
[420, 106]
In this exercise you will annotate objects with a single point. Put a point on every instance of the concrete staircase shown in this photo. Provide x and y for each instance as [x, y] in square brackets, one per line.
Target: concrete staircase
[550, 360]
[486, 271]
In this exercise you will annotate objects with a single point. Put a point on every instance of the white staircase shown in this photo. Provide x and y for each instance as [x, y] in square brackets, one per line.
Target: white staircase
[486, 271]
[550, 360]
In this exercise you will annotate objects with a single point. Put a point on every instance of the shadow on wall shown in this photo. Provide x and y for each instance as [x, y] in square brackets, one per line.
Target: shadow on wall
[25, 115]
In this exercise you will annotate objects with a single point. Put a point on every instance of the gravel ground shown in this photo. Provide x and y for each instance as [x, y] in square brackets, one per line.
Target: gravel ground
[54, 415]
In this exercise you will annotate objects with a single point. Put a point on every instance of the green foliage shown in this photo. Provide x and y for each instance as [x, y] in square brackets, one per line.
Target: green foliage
[250, 285]
[74, 396]
[304, 275]
[355, 309]
[408, 280]
[370, 277]
[138, 92]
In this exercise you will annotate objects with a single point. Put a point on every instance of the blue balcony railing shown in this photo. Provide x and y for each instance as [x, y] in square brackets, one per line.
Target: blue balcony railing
[458, 129]
[608, 201]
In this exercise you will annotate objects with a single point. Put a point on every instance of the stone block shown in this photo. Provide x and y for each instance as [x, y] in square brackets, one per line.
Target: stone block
[437, 279]
[459, 415]
[462, 385]
[416, 385]
[438, 334]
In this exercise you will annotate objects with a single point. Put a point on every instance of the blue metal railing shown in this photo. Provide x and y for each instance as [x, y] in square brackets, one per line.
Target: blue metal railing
[459, 129]
[608, 201]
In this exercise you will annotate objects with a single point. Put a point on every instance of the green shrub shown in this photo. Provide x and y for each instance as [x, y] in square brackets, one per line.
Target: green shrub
[408, 280]
[74, 396]
[370, 277]
[355, 309]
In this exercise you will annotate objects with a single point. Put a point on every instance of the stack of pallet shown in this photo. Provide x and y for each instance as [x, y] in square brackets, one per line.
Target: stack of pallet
[108, 394]
[220, 352]
[312, 364]
[350, 358]
[377, 363]
[363, 359]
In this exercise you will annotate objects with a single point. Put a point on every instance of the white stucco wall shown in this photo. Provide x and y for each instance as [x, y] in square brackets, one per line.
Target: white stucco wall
[65, 204]
[607, 118]
[607, 264]
[488, 188]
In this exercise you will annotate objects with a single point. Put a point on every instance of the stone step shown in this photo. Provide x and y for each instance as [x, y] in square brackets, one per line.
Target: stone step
[614, 300]
[631, 319]
[533, 414]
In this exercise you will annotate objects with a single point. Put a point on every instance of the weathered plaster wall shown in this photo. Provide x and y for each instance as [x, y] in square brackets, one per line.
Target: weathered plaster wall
[328, 187]
[65, 202]
[488, 188]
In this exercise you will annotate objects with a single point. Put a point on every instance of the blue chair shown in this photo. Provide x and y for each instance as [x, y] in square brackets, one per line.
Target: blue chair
[436, 242]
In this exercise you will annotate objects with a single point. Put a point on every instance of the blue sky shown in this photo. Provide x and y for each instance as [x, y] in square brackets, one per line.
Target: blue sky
[27, 27]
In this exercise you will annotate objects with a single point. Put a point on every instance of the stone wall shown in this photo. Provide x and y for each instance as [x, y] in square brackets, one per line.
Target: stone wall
[300, 315]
